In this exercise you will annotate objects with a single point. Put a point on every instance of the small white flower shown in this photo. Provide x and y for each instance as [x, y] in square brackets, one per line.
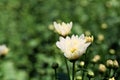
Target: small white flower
[63, 29]
[73, 47]
[3, 50]
[112, 78]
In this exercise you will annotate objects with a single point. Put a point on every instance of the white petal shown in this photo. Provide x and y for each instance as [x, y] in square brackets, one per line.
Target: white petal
[55, 25]
[87, 44]
[70, 24]
[61, 38]
[73, 36]
[58, 44]
[63, 24]
[82, 36]
[76, 36]
[68, 55]
[67, 38]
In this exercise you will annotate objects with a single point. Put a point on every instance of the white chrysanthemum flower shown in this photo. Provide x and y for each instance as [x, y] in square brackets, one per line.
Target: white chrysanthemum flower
[63, 29]
[75, 46]
[3, 50]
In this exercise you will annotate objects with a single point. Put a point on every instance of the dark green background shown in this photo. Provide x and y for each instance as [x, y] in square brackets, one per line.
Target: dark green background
[24, 28]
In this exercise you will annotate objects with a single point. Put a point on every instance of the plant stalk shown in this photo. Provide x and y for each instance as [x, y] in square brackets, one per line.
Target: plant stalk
[68, 72]
[55, 74]
[73, 70]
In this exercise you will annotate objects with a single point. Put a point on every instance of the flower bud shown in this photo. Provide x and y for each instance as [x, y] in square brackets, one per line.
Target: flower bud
[112, 51]
[51, 27]
[100, 37]
[55, 65]
[89, 39]
[102, 68]
[90, 74]
[3, 50]
[104, 26]
[115, 64]
[82, 63]
[87, 33]
[79, 78]
[109, 63]
[96, 58]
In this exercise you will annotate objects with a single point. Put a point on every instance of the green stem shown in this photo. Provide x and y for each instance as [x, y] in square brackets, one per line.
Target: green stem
[73, 70]
[89, 78]
[82, 75]
[110, 72]
[55, 74]
[68, 72]
[85, 59]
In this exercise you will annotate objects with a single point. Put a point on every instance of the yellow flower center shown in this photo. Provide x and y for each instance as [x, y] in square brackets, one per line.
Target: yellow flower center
[73, 50]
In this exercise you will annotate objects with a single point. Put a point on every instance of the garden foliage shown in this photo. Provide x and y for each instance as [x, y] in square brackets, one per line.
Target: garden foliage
[26, 27]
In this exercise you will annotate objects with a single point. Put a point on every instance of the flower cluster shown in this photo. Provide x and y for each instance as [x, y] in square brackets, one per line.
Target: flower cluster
[72, 47]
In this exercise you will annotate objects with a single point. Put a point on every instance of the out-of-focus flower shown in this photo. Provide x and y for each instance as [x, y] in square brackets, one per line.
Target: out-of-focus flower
[115, 64]
[104, 26]
[82, 63]
[87, 33]
[63, 29]
[112, 78]
[109, 63]
[112, 51]
[112, 3]
[102, 68]
[96, 58]
[74, 47]
[3, 50]
[100, 37]
[79, 78]
[90, 73]
[51, 27]
[108, 4]
[84, 3]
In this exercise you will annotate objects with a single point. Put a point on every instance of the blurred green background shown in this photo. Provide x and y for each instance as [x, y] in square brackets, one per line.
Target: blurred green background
[26, 28]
